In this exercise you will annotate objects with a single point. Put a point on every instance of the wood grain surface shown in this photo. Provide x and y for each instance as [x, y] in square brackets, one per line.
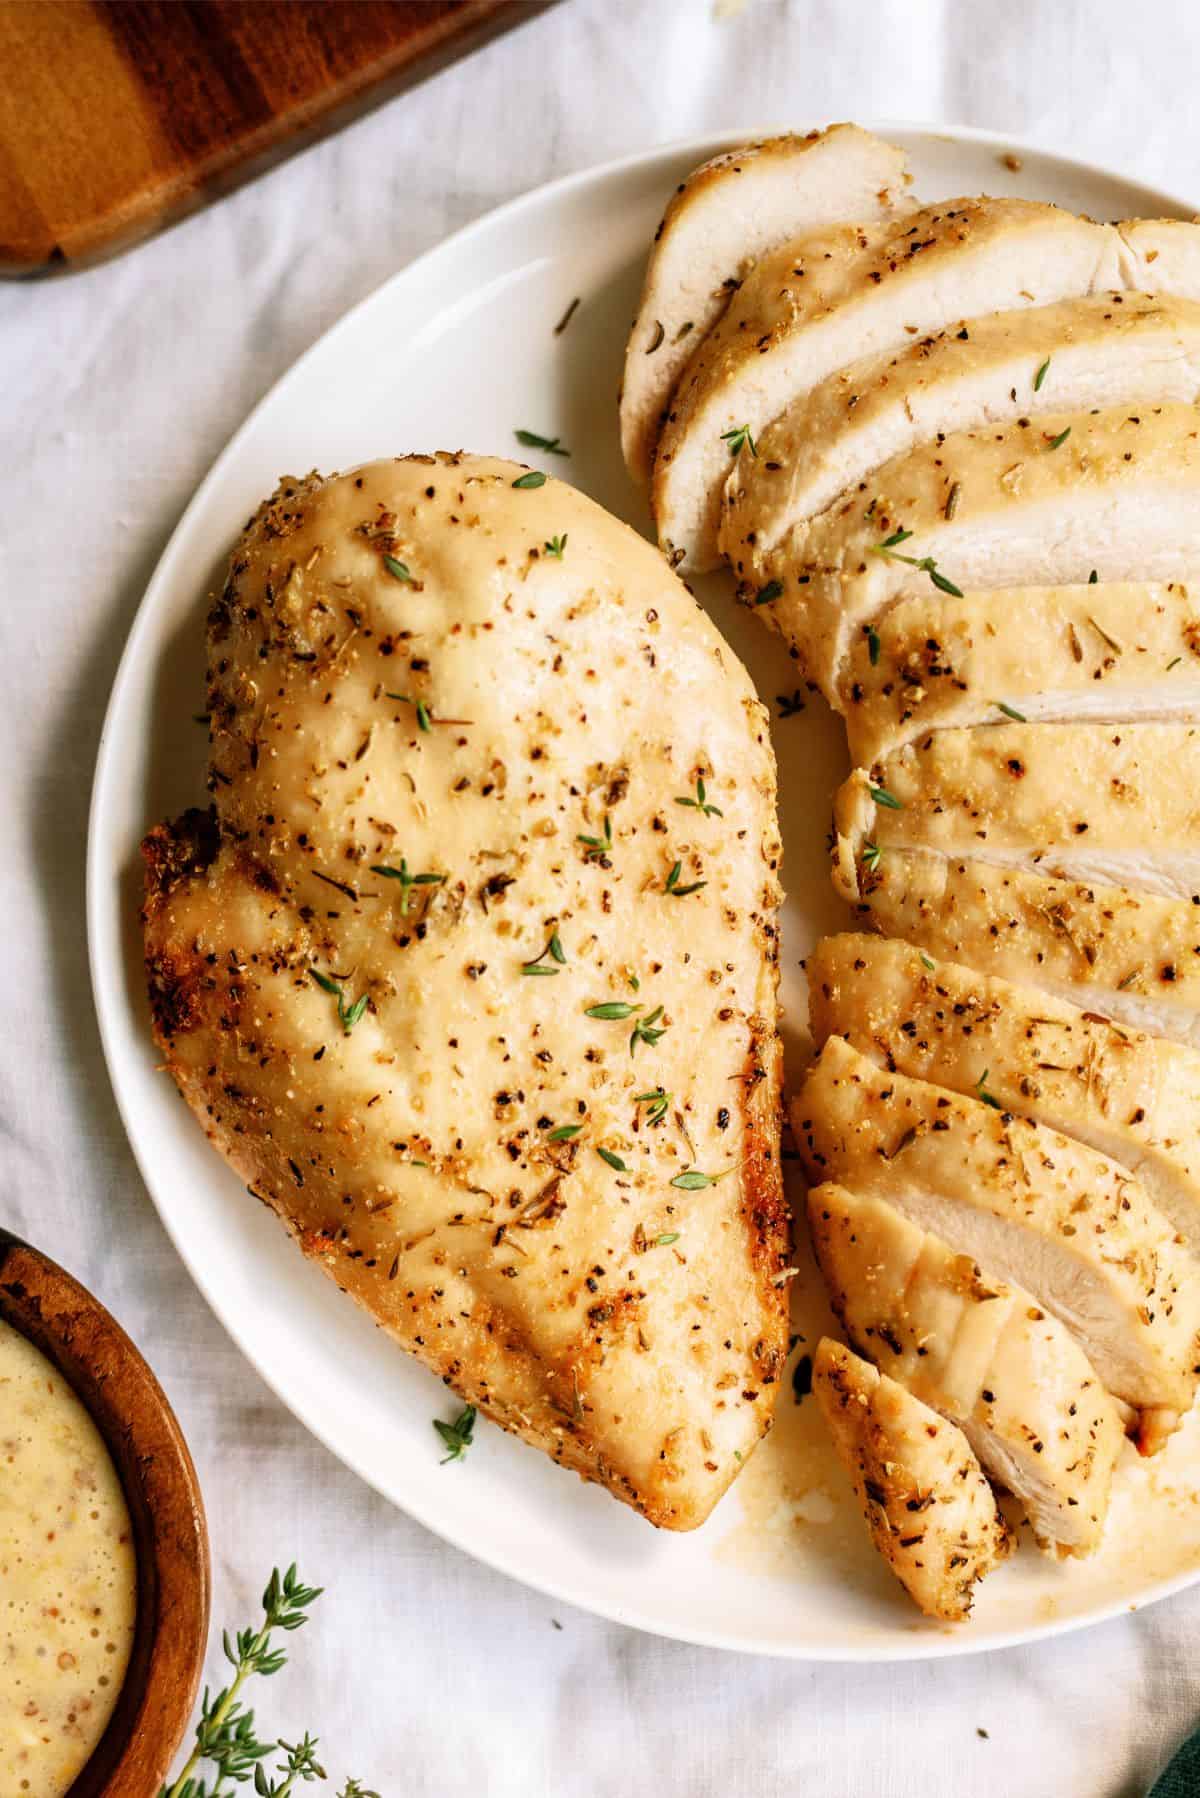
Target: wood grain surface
[93, 1353]
[118, 117]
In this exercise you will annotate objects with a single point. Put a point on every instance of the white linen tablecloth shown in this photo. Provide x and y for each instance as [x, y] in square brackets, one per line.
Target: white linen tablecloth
[423, 1672]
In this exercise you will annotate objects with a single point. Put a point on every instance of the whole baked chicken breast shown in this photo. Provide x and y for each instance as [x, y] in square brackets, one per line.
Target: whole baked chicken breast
[469, 969]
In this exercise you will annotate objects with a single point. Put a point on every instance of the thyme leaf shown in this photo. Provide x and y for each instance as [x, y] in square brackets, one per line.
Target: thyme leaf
[556, 545]
[873, 645]
[612, 1160]
[424, 722]
[566, 318]
[1010, 711]
[533, 440]
[398, 570]
[456, 1436]
[348, 1015]
[691, 1180]
[1053, 443]
[738, 439]
[767, 594]
[657, 1100]
[644, 1031]
[982, 1093]
[673, 886]
[612, 1010]
[700, 802]
[881, 796]
[872, 855]
[925, 564]
[564, 1133]
[535, 478]
[598, 847]
[666, 1239]
[407, 881]
[554, 950]
[1041, 375]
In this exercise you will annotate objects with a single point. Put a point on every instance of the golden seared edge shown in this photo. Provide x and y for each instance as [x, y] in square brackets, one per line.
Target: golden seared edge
[929, 1509]
[466, 727]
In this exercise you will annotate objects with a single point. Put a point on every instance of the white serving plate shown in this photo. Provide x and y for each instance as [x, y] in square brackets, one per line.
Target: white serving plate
[455, 351]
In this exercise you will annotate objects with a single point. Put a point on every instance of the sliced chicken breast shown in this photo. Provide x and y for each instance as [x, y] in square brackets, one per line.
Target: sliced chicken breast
[1049, 501]
[1133, 956]
[812, 309]
[981, 1352]
[1132, 1097]
[1030, 1205]
[929, 1509]
[1100, 350]
[1118, 652]
[1113, 803]
[727, 213]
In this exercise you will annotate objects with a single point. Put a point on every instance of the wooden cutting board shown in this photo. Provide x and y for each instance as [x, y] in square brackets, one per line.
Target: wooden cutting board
[117, 117]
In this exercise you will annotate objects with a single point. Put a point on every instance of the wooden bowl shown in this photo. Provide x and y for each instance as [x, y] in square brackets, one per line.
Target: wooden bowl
[93, 1353]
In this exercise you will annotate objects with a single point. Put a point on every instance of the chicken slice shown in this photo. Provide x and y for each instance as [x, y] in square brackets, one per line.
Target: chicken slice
[1117, 804]
[729, 212]
[929, 1509]
[1132, 1097]
[1033, 1206]
[423, 977]
[1097, 351]
[980, 1351]
[813, 307]
[1133, 956]
[1116, 652]
[1052, 500]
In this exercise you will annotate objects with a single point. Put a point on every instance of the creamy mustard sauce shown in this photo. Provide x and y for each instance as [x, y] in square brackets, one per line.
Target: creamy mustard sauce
[68, 1577]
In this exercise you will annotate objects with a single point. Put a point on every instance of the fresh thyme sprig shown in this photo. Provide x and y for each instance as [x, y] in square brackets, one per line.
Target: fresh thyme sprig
[424, 722]
[700, 803]
[457, 1436]
[982, 1093]
[556, 545]
[555, 951]
[925, 564]
[598, 847]
[672, 883]
[658, 1102]
[872, 855]
[739, 438]
[407, 881]
[553, 446]
[226, 1732]
[615, 1011]
[348, 1015]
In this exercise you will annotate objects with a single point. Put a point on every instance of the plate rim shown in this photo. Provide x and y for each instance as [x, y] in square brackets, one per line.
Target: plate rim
[919, 1646]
